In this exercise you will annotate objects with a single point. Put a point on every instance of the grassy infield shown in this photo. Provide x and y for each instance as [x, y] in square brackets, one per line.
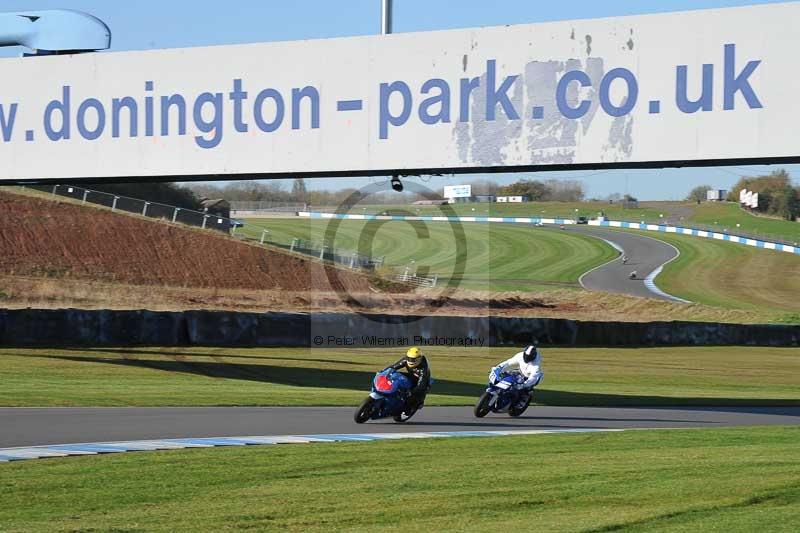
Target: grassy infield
[223, 376]
[501, 257]
[724, 479]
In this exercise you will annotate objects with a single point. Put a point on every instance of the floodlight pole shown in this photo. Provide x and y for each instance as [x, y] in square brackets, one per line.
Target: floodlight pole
[386, 17]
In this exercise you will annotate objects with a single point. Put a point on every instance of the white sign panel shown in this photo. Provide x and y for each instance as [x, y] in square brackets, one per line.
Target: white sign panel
[754, 200]
[667, 88]
[457, 191]
[742, 195]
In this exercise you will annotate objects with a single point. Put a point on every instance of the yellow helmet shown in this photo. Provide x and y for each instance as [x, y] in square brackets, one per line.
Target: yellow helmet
[414, 357]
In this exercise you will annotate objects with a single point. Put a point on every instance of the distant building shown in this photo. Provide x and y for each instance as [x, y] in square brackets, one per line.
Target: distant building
[430, 202]
[512, 199]
[484, 198]
[716, 195]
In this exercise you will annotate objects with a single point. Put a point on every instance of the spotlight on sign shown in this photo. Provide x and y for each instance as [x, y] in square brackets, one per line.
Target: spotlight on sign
[397, 185]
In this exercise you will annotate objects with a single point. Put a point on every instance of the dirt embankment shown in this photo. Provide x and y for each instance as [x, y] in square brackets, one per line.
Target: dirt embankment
[48, 239]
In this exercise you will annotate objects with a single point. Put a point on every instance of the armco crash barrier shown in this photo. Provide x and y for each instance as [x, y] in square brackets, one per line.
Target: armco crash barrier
[76, 327]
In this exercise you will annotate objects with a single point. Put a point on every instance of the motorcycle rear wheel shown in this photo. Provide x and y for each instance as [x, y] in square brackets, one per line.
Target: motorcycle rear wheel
[482, 407]
[364, 412]
[517, 411]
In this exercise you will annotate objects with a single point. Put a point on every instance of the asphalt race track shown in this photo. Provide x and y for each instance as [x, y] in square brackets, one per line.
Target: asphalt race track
[65, 425]
[645, 254]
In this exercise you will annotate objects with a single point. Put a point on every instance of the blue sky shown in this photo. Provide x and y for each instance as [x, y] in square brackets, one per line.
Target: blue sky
[144, 24]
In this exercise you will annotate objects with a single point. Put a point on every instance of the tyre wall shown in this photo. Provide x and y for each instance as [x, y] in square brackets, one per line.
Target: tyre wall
[75, 327]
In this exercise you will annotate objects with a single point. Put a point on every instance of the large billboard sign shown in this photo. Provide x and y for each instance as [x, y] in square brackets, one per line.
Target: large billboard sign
[679, 88]
[457, 191]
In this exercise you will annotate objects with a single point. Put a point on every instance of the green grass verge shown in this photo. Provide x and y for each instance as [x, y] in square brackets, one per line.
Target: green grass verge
[498, 257]
[527, 209]
[725, 215]
[732, 276]
[228, 376]
[742, 479]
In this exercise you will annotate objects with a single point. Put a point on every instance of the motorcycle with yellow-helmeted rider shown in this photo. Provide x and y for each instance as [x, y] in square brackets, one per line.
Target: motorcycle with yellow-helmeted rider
[399, 390]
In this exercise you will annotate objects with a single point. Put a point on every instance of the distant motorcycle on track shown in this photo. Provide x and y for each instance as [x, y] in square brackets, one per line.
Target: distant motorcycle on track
[389, 398]
[503, 395]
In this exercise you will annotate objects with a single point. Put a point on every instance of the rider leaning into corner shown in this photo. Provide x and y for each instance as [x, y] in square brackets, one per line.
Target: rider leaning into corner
[529, 362]
[416, 366]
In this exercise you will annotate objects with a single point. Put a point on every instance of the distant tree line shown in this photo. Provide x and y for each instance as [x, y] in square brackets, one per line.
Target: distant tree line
[776, 194]
[545, 191]
[189, 195]
[700, 194]
[162, 193]
[276, 191]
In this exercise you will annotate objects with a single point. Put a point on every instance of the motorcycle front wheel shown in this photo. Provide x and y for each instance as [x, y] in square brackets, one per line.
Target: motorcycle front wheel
[364, 412]
[482, 407]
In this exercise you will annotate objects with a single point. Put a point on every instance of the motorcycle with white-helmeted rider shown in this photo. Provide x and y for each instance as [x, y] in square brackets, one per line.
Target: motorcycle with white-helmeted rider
[511, 383]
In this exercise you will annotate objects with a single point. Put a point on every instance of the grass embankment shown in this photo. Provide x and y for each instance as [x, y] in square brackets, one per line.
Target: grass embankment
[725, 215]
[732, 276]
[526, 209]
[498, 258]
[742, 479]
[224, 376]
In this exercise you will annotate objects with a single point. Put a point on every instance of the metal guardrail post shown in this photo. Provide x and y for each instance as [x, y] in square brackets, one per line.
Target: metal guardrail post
[322, 252]
[85, 194]
[353, 260]
[205, 219]
[144, 209]
[263, 235]
[55, 187]
[175, 214]
[435, 279]
[114, 203]
[294, 243]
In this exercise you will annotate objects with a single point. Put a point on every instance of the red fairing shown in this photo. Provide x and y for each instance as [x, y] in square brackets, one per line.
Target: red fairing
[383, 384]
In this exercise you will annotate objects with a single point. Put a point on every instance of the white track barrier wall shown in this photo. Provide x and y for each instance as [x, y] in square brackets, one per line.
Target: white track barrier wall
[767, 245]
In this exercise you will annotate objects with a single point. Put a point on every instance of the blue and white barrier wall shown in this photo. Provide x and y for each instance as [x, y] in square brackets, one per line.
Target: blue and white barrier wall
[564, 221]
[699, 233]
[431, 218]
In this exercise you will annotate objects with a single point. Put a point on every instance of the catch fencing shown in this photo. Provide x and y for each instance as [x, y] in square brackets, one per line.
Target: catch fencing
[413, 279]
[344, 257]
[268, 206]
[141, 207]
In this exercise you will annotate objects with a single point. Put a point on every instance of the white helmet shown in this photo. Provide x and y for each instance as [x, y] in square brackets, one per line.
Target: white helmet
[529, 353]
